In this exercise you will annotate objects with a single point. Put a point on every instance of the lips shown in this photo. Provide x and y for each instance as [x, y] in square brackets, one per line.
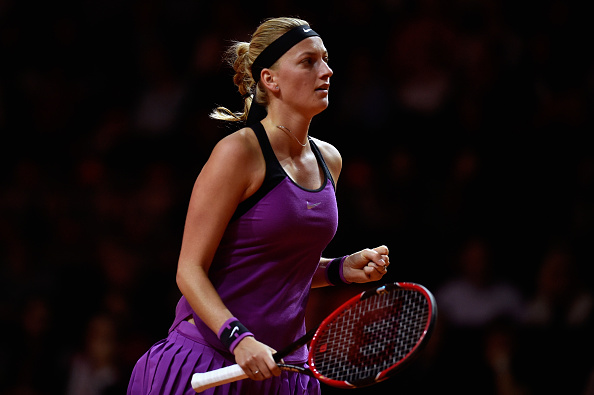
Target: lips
[324, 87]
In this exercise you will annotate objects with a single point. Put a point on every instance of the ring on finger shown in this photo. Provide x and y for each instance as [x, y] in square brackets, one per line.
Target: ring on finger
[256, 372]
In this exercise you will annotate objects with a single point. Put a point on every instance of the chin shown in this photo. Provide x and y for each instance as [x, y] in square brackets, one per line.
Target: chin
[323, 105]
[321, 109]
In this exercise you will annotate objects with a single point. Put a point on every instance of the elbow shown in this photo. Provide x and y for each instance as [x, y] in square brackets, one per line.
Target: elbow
[181, 277]
[188, 275]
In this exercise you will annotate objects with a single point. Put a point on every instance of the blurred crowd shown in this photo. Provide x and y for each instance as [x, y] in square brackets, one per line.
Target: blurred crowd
[463, 126]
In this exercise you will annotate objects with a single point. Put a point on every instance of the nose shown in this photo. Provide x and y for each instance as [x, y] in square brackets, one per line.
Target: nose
[327, 71]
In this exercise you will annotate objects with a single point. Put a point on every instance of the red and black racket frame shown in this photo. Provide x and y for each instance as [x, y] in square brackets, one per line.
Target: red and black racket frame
[412, 354]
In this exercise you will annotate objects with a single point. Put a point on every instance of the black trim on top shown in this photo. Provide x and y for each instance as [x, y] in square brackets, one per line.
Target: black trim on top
[275, 172]
[321, 161]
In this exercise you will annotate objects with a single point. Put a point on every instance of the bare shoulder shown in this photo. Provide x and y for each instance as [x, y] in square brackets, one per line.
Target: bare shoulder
[331, 156]
[238, 159]
[237, 146]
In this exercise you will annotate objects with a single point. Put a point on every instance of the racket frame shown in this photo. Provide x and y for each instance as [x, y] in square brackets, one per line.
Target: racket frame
[385, 374]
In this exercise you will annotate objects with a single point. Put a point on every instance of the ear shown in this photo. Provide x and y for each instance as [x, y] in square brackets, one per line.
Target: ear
[268, 79]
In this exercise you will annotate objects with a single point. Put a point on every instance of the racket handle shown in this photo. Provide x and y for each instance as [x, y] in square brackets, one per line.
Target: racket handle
[203, 381]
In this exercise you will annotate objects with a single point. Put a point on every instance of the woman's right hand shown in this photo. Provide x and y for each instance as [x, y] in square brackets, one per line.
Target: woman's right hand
[256, 359]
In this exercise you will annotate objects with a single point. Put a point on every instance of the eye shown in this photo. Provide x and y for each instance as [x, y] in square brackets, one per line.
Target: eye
[307, 61]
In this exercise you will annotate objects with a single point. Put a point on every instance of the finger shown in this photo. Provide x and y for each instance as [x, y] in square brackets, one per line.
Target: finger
[368, 255]
[382, 269]
[274, 367]
[372, 274]
[375, 272]
[268, 368]
[260, 373]
[377, 258]
[383, 250]
[253, 373]
[264, 373]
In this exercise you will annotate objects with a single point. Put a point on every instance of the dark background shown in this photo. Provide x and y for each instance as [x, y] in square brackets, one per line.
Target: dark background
[461, 123]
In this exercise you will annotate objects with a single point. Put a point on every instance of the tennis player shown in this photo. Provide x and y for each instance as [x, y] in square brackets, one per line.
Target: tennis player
[262, 211]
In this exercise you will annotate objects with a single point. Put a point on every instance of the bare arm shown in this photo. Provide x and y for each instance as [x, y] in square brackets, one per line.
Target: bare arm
[362, 266]
[233, 172]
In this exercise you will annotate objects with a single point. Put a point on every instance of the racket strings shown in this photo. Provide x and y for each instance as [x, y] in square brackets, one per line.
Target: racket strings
[371, 336]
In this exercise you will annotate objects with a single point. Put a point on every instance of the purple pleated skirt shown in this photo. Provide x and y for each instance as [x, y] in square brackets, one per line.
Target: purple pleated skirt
[167, 368]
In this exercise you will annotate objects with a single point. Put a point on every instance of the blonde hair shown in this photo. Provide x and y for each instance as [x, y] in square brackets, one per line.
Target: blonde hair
[241, 55]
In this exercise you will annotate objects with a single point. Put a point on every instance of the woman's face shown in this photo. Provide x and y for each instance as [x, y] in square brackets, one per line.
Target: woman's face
[303, 76]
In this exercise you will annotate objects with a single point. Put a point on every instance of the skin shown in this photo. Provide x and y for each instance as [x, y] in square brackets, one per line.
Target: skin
[297, 86]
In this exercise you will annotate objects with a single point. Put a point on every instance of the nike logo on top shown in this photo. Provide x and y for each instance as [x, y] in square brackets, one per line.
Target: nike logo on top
[312, 205]
[235, 329]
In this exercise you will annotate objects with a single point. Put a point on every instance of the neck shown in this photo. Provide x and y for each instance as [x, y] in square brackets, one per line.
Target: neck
[290, 136]
[299, 128]
[290, 133]
[280, 113]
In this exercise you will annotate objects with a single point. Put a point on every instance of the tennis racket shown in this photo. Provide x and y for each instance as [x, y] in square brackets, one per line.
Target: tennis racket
[363, 342]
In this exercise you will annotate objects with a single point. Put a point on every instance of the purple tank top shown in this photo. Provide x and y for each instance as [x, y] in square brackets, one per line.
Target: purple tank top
[267, 257]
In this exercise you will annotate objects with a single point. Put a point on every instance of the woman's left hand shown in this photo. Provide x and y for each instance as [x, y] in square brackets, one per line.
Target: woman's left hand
[366, 265]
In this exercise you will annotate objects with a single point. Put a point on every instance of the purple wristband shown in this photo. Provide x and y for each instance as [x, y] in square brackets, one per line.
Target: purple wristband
[340, 270]
[334, 274]
[232, 332]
